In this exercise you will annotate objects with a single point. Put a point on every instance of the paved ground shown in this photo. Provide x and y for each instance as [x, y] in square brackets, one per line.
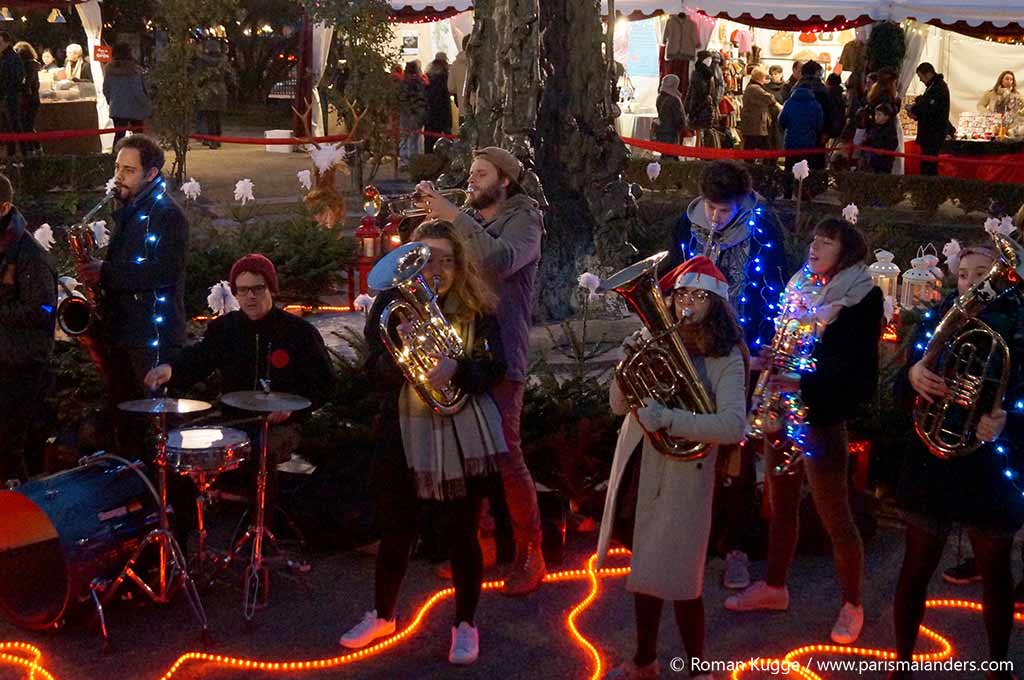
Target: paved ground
[520, 638]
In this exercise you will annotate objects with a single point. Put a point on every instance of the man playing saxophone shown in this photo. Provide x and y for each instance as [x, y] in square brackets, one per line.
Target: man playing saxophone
[28, 294]
[979, 490]
[141, 281]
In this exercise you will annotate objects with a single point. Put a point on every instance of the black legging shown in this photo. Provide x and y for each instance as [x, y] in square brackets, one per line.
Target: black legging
[923, 553]
[461, 521]
[689, 619]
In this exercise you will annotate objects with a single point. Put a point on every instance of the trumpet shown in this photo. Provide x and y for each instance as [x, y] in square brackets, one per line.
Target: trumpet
[405, 204]
[75, 315]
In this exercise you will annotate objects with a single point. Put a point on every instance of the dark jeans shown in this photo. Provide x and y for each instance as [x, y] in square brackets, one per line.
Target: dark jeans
[126, 122]
[209, 124]
[22, 390]
[827, 472]
[12, 124]
[28, 124]
[930, 149]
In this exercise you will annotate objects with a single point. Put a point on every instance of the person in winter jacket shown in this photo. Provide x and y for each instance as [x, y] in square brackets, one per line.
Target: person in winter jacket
[931, 111]
[837, 106]
[700, 105]
[882, 135]
[412, 101]
[214, 79]
[28, 98]
[124, 86]
[759, 110]
[811, 80]
[801, 121]
[439, 103]
[671, 118]
[28, 299]
[12, 79]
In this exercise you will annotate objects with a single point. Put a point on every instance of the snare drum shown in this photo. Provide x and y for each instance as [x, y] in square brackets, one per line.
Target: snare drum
[59, 533]
[210, 450]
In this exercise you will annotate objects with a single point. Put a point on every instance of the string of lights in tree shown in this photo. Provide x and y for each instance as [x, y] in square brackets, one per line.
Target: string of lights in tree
[1014, 403]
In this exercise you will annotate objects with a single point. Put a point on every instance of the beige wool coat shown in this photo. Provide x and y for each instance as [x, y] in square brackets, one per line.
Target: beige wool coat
[758, 107]
[673, 513]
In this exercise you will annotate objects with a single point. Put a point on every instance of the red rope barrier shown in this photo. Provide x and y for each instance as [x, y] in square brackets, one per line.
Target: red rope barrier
[56, 134]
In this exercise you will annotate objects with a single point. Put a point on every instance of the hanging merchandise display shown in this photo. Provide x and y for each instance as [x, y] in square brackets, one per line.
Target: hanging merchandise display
[781, 44]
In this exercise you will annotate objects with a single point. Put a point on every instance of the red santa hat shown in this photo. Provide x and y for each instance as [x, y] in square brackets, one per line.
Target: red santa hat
[700, 272]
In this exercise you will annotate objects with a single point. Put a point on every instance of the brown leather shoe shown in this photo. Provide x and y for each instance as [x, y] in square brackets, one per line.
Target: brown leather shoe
[527, 571]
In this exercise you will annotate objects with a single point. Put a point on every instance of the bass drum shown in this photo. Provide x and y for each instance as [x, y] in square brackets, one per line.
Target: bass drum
[59, 533]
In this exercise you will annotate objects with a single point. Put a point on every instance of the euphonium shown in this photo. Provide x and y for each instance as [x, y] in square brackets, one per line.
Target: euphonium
[75, 315]
[431, 333]
[796, 333]
[972, 358]
[660, 367]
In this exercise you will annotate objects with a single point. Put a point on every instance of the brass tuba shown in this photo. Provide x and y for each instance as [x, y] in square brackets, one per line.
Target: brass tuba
[660, 367]
[972, 358]
[75, 315]
[431, 332]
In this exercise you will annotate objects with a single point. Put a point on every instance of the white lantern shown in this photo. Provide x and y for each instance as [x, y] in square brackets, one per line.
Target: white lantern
[918, 285]
[884, 273]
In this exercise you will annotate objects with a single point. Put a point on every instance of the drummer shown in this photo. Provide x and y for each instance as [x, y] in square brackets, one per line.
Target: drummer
[256, 343]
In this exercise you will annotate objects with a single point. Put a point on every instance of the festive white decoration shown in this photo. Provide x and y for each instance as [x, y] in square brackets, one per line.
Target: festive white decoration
[68, 283]
[100, 233]
[363, 302]
[327, 156]
[111, 185]
[933, 266]
[591, 282]
[952, 253]
[889, 307]
[221, 300]
[851, 213]
[44, 234]
[243, 190]
[1003, 226]
[653, 170]
[801, 171]
[305, 179]
[191, 189]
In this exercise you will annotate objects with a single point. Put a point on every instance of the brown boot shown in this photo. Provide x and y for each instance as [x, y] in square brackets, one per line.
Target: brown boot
[527, 571]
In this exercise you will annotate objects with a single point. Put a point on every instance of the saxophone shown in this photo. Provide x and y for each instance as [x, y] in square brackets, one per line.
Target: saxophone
[791, 353]
[431, 332]
[660, 367]
[76, 315]
[972, 358]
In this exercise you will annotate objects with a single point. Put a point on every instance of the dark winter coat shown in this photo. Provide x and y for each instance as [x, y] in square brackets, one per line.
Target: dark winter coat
[240, 349]
[213, 74]
[141, 278]
[847, 363]
[801, 120]
[745, 248]
[699, 103]
[931, 110]
[882, 137]
[439, 104]
[972, 490]
[124, 86]
[28, 98]
[836, 120]
[28, 295]
[759, 106]
[821, 95]
[412, 101]
[12, 77]
[671, 119]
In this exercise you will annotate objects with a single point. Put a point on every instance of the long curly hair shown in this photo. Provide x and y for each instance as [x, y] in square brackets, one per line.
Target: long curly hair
[717, 334]
[469, 287]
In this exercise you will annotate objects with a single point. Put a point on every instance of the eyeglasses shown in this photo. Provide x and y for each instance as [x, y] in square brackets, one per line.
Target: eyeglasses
[688, 298]
[256, 290]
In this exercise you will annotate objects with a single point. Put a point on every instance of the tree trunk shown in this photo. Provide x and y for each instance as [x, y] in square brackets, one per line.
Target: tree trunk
[544, 90]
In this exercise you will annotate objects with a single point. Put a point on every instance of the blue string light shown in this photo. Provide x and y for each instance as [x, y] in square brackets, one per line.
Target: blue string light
[149, 243]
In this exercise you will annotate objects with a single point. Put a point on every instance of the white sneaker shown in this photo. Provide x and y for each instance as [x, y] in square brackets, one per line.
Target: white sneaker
[737, 573]
[465, 645]
[366, 631]
[759, 596]
[848, 624]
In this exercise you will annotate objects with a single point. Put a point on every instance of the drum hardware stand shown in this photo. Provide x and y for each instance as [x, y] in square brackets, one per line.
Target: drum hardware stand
[171, 564]
[256, 586]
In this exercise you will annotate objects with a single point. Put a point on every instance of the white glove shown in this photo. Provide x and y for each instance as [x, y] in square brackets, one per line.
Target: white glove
[654, 415]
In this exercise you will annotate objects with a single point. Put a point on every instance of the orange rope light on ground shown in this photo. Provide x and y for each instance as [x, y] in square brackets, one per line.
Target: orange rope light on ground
[28, 656]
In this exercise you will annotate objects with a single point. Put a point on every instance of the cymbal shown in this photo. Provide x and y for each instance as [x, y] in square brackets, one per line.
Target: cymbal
[265, 402]
[164, 405]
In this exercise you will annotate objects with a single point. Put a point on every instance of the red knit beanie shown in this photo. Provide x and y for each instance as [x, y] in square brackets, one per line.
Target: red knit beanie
[254, 263]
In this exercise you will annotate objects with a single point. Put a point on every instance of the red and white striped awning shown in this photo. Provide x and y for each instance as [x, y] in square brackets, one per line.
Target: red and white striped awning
[431, 5]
